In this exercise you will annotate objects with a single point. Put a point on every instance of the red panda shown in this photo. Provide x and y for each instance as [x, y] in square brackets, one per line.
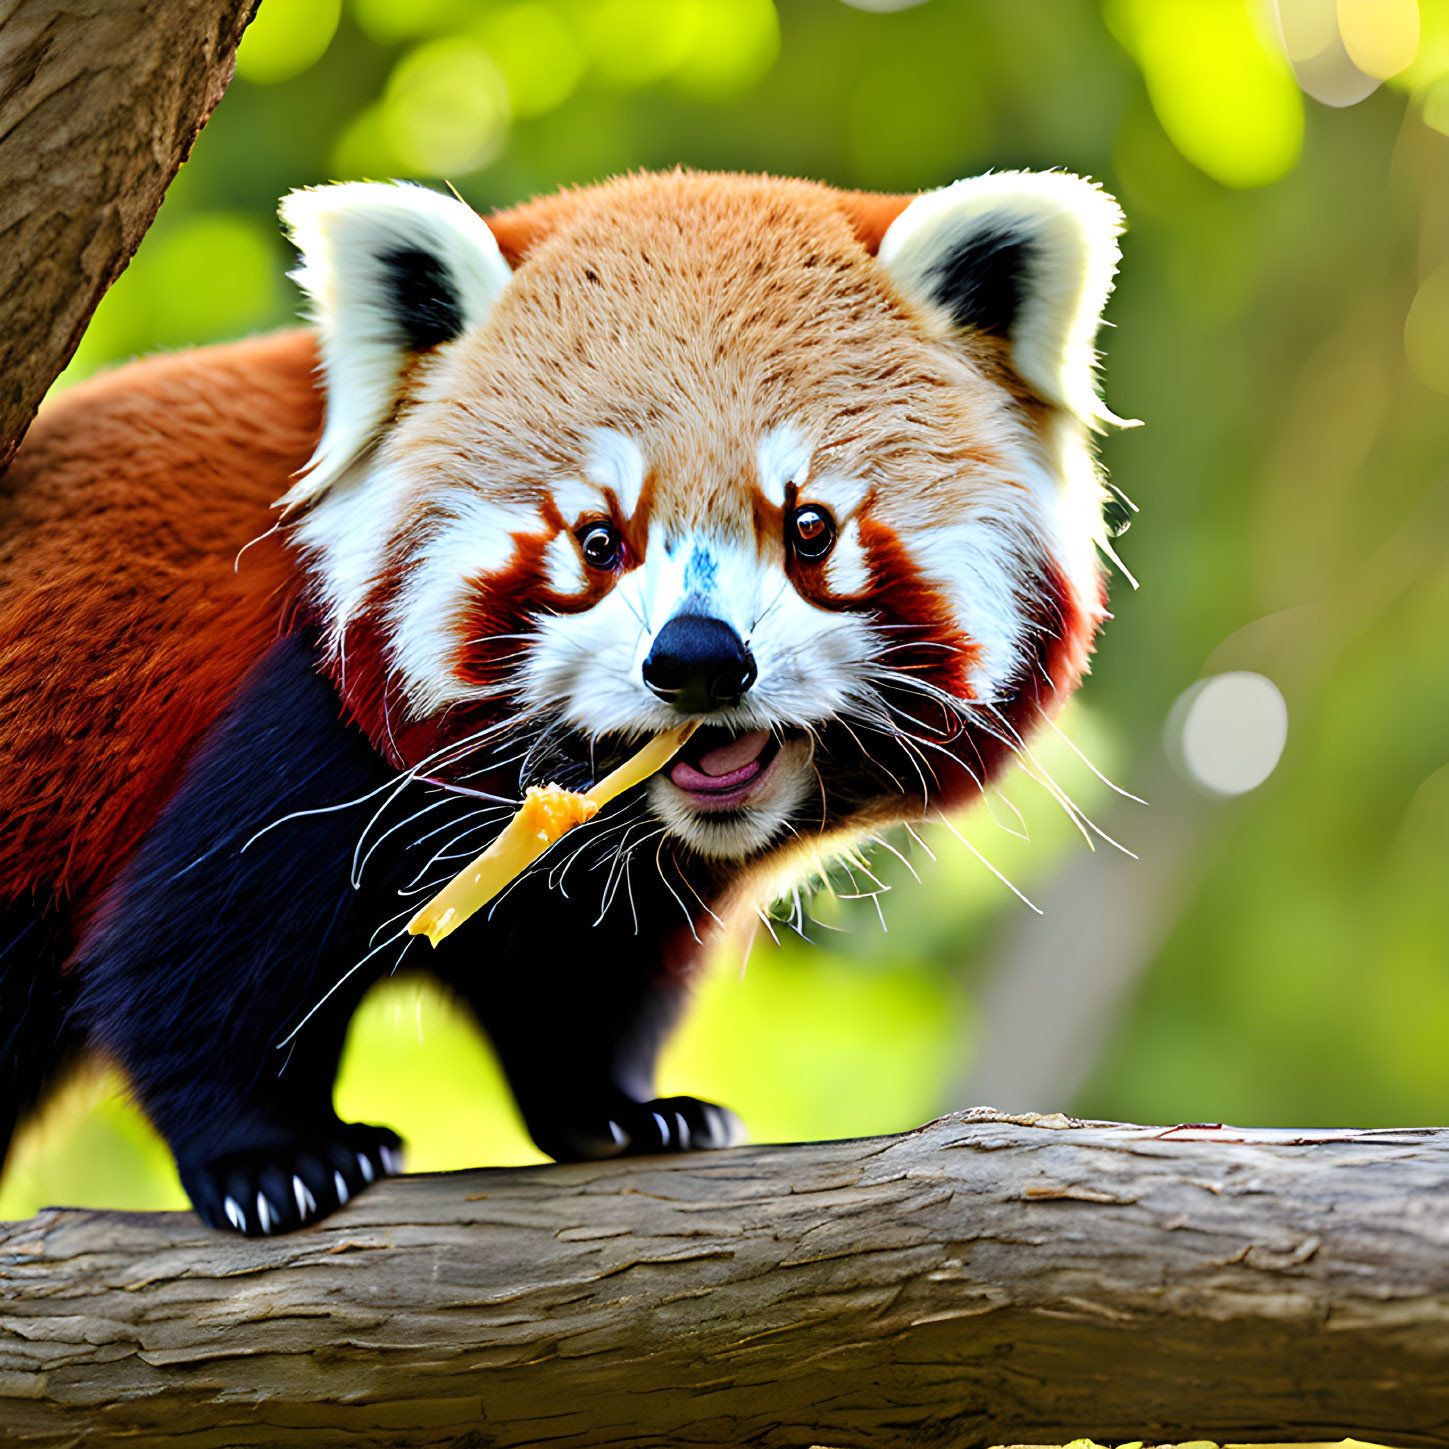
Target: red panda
[812, 468]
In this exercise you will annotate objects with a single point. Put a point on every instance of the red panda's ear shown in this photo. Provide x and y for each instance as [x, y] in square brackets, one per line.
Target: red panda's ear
[391, 270]
[1028, 256]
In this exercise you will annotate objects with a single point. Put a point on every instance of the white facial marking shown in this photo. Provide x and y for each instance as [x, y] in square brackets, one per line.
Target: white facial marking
[575, 499]
[565, 570]
[1071, 491]
[345, 538]
[615, 462]
[587, 669]
[847, 570]
[783, 457]
[842, 496]
[978, 568]
[471, 535]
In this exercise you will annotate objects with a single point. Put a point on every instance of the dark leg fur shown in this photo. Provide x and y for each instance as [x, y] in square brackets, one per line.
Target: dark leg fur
[35, 1045]
[210, 950]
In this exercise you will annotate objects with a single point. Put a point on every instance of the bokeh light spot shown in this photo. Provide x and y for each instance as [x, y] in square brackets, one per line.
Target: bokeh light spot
[386, 22]
[735, 47]
[1308, 27]
[1426, 331]
[637, 42]
[285, 38]
[539, 54]
[1309, 33]
[1222, 91]
[215, 276]
[735, 44]
[1431, 58]
[1227, 733]
[1436, 107]
[1380, 36]
[446, 110]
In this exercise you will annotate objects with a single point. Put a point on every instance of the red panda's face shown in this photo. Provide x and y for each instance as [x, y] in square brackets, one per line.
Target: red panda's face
[707, 452]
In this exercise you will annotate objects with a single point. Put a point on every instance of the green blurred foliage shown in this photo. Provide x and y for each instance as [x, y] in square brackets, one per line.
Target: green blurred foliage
[289, 39]
[1281, 323]
[1222, 90]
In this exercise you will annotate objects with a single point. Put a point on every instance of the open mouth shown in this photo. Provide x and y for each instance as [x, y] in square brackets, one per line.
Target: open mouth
[719, 770]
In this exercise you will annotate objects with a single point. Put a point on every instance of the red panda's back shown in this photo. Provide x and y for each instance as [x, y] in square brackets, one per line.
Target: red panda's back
[126, 619]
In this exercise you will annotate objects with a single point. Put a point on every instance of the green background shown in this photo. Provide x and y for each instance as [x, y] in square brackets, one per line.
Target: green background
[1282, 325]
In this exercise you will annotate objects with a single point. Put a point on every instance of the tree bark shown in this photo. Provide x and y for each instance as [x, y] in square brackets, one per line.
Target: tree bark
[100, 101]
[986, 1279]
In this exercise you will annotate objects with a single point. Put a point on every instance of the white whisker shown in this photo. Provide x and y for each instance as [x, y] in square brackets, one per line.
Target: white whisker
[688, 918]
[1023, 833]
[911, 831]
[885, 844]
[946, 821]
[1071, 745]
[760, 912]
[341, 982]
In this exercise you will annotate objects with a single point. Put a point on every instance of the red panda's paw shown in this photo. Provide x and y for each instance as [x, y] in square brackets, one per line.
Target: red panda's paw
[284, 1186]
[634, 1129]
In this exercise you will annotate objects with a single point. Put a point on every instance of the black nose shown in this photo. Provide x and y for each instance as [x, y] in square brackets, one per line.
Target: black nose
[698, 664]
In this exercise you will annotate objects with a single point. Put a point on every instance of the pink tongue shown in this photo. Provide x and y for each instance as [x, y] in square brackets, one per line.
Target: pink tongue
[731, 764]
[733, 756]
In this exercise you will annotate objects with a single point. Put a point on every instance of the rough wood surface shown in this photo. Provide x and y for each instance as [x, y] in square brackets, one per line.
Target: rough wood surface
[983, 1280]
[100, 101]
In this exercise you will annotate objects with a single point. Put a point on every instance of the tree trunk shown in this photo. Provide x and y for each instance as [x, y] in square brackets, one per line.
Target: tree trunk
[100, 101]
[986, 1279]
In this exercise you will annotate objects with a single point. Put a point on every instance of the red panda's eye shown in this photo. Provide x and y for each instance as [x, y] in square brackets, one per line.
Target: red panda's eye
[811, 532]
[603, 546]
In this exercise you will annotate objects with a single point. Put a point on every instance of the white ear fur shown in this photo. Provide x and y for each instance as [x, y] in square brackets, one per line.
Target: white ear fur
[1056, 237]
[390, 269]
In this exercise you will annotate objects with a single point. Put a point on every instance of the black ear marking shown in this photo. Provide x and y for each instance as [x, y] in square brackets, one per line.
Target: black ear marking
[983, 281]
[423, 297]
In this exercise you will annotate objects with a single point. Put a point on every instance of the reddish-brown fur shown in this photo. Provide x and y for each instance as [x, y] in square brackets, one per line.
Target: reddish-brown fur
[124, 625]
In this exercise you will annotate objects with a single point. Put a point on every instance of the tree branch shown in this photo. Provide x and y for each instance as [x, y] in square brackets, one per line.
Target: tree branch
[100, 101]
[983, 1280]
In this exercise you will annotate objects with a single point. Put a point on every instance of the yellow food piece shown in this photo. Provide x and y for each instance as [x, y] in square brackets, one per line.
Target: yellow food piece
[638, 768]
[548, 812]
